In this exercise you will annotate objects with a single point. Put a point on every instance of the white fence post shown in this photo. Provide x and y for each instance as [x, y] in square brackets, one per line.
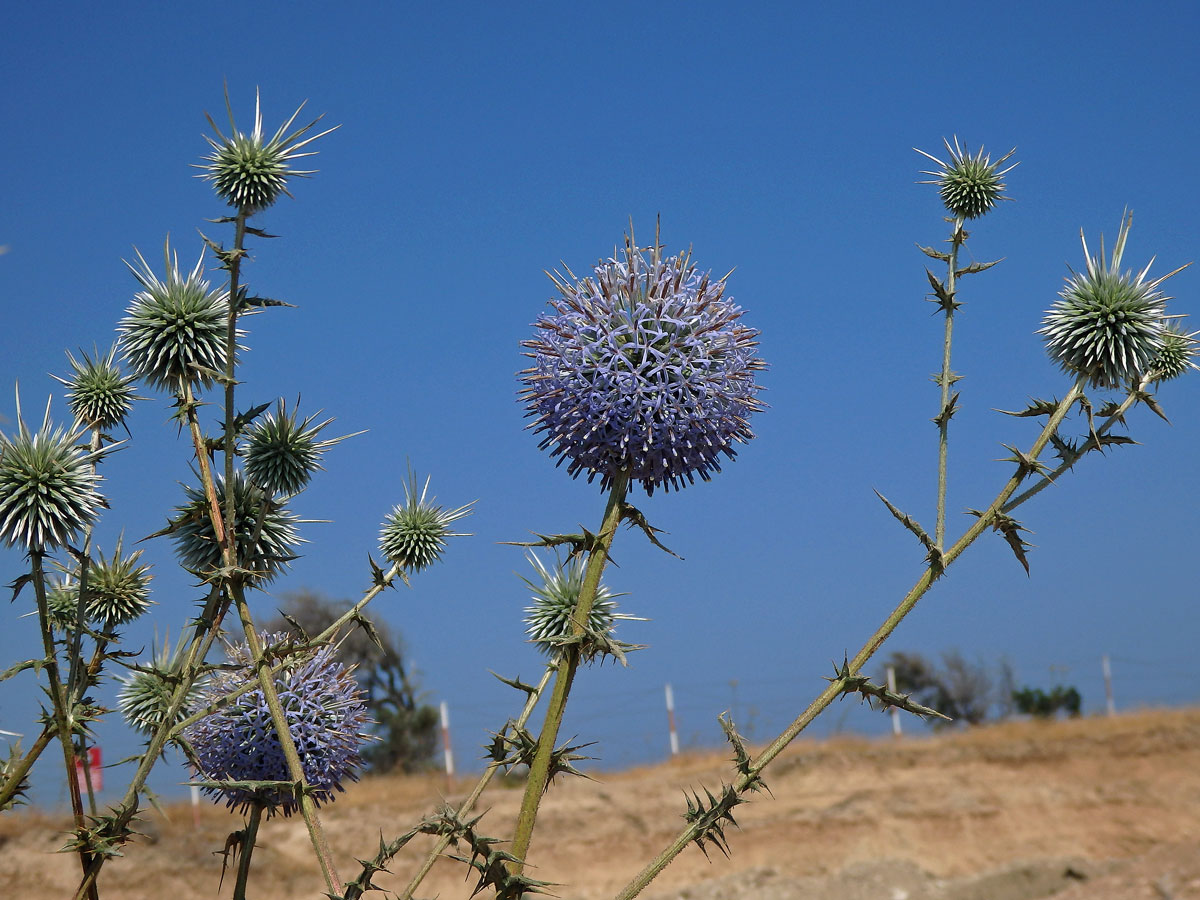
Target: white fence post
[449, 753]
[671, 721]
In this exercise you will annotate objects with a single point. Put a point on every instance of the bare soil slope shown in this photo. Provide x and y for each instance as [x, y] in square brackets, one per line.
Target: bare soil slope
[1094, 809]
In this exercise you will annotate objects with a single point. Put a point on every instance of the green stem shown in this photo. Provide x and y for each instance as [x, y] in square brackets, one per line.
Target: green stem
[467, 805]
[539, 768]
[13, 781]
[63, 715]
[249, 836]
[957, 237]
[836, 687]
[308, 807]
[235, 268]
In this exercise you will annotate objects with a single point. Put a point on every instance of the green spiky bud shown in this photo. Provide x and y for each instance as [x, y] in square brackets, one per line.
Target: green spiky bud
[1177, 354]
[969, 185]
[1108, 326]
[62, 604]
[146, 692]
[249, 171]
[47, 485]
[414, 533]
[555, 594]
[265, 531]
[282, 451]
[118, 589]
[97, 392]
[174, 331]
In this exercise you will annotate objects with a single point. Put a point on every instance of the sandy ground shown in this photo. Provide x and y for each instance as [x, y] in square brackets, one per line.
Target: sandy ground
[1094, 809]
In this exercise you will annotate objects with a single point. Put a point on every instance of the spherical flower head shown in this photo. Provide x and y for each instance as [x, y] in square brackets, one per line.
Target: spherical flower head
[643, 367]
[250, 171]
[1178, 353]
[145, 695]
[174, 331]
[326, 714]
[413, 535]
[98, 393]
[969, 185]
[555, 593]
[1108, 326]
[118, 589]
[282, 451]
[265, 531]
[47, 485]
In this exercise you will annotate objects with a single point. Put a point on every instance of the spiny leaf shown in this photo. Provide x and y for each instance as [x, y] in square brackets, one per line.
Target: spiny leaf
[934, 555]
[936, 254]
[634, 517]
[1011, 529]
[1036, 407]
[516, 683]
[947, 412]
[976, 267]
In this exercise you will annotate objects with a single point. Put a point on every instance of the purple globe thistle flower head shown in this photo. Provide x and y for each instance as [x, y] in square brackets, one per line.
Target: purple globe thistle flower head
[326, 713]
[645, 367]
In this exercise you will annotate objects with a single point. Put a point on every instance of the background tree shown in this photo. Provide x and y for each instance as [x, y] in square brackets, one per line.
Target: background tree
[405, 727]
[966, 691]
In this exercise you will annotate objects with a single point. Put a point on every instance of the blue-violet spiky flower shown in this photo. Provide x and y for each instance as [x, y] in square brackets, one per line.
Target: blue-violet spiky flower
[174, 330]
[265, 531]
[413, 535]
[250, 171]
[969, 185]
[98, 393]
[326, 713]
[47, 484]
[283, 452]
[644, 367]
[555, 594]
[1109, 325]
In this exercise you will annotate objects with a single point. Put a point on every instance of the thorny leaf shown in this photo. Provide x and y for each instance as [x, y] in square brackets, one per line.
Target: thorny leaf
[711, 814]
[934, 555]
[976, 267]
[634, 517]
[1150, 400]
[1036, 407]
[936, 254]
[860, 684]
[1026, 464]
[490, 863]
[741, 758]
[515, 683]
[19, 583]
[947, 412]
[1011, 529]
[594, 644]
[580, 543]
[945, 299]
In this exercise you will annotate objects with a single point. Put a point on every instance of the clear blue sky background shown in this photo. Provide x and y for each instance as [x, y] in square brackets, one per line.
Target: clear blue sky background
[483, 143]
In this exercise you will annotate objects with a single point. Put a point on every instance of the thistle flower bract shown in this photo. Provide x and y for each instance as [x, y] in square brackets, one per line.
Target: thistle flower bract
[326, 714]
[97, 392]
[644, 366]
[414, 533]
[249, 171]
[145, 694]
[1177, 355]
[47, 484]
[969, 185]
[555, 593]
[1109, 325]
[282, 453]
[265, 531]
[174, 330]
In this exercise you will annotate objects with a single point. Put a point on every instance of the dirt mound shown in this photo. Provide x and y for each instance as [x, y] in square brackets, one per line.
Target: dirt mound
[1094, 809]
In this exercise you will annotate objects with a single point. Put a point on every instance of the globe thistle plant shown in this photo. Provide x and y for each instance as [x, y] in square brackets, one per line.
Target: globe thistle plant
[413, 535]
[326, 714]
[145, 694]
[1177, 355]
[1109, 326]
[98, 393]
[47, 485]
[969, 185]
[555, 594]
[265, 531]
[118, 589]
[644, 367]
[282, 451]
[250, 171]
[174, 331]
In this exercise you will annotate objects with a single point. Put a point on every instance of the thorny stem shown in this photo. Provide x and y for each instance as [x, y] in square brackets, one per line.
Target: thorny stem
[235, 267]
[266, 681]
[946, 380]
[249, 836]
[835, 688]
[63, 713]
[9, 789]
[206, 479]
[467, 805]
[539, 768]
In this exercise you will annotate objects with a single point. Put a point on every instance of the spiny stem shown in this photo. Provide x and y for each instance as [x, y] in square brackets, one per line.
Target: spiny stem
[249, 836]
[63, 715]
[539, 769]
[266, 682]
[467, 805]
[9, 789]
[957, 237]
[835, 688]
[235, 267]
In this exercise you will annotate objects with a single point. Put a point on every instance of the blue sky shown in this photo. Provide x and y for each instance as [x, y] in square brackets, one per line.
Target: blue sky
[481, 144]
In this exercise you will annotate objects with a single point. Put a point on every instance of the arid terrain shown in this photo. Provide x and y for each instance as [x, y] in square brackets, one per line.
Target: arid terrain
[1091, 809]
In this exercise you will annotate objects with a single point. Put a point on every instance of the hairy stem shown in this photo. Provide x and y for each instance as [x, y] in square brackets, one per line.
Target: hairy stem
[539, 769]
[836, 687]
